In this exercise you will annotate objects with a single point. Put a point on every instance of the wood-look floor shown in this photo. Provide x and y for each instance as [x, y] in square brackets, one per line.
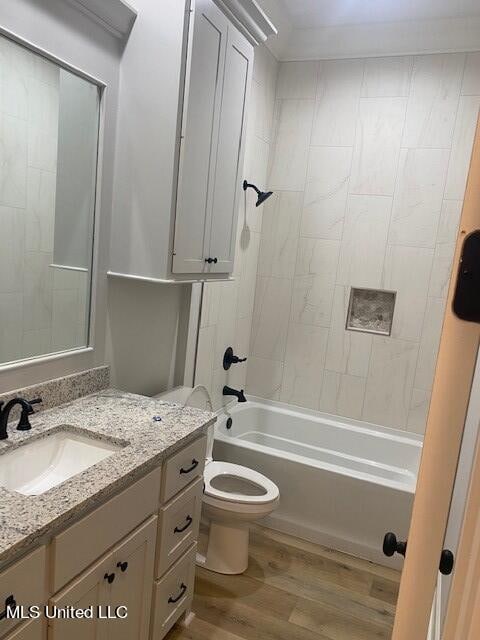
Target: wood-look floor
[294, 590]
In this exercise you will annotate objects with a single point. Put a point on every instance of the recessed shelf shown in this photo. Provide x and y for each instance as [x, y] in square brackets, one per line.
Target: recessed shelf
[371, 311]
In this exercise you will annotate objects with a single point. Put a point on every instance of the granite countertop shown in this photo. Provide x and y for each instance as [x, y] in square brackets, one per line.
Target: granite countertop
[122, 418]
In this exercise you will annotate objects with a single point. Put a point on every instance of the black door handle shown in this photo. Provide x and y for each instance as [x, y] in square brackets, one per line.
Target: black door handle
[183, 588]
[109, 577]
[123, 566]
[391, 545]
[189, 520]
[10, 602]
[190, 469]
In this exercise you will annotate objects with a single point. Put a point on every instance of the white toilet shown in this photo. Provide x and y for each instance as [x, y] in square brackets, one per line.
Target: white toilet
[234, 497]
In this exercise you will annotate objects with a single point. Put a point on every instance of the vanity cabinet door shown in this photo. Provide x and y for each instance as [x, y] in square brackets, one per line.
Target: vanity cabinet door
[88, 590]
[133, 562]
[230, 154]
[201, 118]
[33, 630]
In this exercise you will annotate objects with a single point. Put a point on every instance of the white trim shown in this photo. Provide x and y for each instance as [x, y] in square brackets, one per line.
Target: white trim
[67, 267]
[129, 276]
[28, 362]
[249, 18]
[116, 16]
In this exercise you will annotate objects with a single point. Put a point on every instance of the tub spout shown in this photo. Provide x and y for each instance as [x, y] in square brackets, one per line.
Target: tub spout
[228, 391]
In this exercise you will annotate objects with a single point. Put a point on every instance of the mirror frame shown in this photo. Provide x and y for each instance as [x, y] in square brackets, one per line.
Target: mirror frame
[102, 95]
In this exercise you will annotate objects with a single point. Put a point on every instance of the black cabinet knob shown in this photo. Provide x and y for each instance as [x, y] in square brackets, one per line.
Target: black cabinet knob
[123, 566]
[391, 545]
[109, 577]
[10, 603]
[210, 260]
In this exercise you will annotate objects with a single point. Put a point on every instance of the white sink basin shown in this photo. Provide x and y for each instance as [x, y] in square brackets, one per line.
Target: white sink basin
[36, 467]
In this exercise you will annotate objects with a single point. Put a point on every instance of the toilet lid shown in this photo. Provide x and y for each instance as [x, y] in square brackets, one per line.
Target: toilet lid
[234, 483]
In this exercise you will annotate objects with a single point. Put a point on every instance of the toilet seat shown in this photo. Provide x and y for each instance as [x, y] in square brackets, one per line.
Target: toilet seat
[218, 473]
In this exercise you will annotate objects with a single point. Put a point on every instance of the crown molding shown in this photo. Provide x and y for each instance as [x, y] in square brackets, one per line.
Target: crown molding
[248, 16]
[116, 16]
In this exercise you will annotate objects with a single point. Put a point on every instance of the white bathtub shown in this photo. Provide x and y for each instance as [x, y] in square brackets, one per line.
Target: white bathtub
[342, 483]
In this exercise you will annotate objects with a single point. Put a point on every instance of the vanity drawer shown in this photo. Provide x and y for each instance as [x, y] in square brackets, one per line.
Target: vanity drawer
[183, 467]
[26, 581]
[173, 594]
[84, 542]
[178, 525]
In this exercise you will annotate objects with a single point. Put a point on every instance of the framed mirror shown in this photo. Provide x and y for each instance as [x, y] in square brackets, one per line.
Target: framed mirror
[49, 136]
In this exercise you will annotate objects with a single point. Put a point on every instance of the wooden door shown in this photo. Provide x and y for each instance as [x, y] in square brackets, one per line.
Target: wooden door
[132, 562]
[231, 151]
[201, 119]
[89, 589]
[443, 438]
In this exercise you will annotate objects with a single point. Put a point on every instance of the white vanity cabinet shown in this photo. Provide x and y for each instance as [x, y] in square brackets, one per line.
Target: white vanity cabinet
[214, 87]
[212, 143]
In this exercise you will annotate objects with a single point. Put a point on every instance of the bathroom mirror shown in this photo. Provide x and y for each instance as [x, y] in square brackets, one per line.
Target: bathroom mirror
[49, 131]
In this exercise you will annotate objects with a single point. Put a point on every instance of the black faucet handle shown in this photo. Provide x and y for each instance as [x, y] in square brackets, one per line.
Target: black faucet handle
[33, 402]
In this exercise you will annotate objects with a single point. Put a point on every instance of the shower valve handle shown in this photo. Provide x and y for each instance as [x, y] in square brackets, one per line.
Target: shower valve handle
[230, 358]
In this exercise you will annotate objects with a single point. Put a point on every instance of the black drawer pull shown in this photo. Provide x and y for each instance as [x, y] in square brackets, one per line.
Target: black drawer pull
[183, 589]
[10, 602]
[190, 469]
[109, 577]
[189, 520]
[123, 566]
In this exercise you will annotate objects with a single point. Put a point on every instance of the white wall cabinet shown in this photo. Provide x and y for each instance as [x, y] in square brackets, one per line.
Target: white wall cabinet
[217, 89]
[214, 92]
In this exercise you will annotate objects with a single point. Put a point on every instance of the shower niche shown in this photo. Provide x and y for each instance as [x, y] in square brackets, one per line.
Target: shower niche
[371, 311]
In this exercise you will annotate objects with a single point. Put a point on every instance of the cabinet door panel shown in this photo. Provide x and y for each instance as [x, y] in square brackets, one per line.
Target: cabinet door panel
[205, 72]
[89, 589]
[132, 587]
[230, 155]
[33, 630]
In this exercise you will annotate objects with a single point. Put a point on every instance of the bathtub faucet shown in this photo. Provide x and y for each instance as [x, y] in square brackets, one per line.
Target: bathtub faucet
[228, 391]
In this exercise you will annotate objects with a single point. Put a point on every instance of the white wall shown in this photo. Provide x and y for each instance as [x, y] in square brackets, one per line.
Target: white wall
[227, 307]
[368, 165]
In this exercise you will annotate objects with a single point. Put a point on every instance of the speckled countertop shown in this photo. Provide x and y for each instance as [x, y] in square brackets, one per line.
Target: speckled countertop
[124, 418]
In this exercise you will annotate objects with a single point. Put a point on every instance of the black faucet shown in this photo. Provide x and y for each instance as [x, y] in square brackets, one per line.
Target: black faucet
[24, 422]
[228, 391]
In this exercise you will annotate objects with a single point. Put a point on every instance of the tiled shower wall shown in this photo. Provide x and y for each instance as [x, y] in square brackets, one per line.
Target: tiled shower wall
[368, 162]
[37, 315]
[227, 308]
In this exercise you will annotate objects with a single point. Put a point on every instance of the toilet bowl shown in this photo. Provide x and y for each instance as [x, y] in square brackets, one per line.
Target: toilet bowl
[234, 497]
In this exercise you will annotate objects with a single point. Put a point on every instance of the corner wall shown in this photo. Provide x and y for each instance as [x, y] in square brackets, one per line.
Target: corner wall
[368, 163]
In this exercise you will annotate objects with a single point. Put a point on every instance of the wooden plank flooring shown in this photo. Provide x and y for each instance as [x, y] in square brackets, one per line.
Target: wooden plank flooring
[294, 590]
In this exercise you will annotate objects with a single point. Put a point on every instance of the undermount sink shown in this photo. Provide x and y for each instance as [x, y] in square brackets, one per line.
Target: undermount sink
[37, 466]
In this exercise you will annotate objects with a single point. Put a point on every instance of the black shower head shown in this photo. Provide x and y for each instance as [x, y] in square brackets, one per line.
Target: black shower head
[262, 195]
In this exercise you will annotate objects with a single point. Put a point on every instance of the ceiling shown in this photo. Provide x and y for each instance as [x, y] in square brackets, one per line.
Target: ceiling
[321, 13]
[325, 29]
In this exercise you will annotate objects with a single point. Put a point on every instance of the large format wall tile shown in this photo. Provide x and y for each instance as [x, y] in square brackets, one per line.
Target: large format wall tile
[326, 192]
[304, 364]
[40, 212]
[407, 271]
[270, 318]
[347, 351]
[377, 145]
[432, 105]
[468, 111]
[471, 78]
[430, 340]
[37, 291]
[342, 395]
[289, 156]
[363, 246]
[418, 196]
[13, 161]
[12, 225]
[387, 77]
[11, 325]
[281, 222]
[264, 378]
[390, 382]
[417, 416]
